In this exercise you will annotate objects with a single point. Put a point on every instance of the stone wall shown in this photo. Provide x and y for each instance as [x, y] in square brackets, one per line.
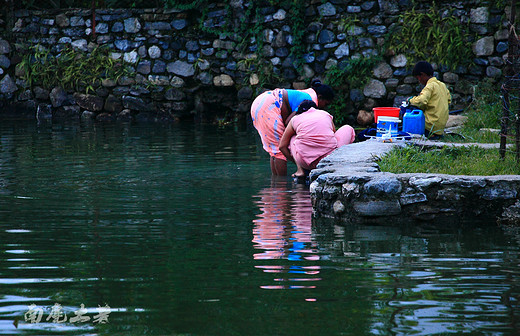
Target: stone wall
[348, 186]
[183, 71]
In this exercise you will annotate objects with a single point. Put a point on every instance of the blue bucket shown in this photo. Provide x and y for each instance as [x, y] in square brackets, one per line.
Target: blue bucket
[413, 122]
[387, 126]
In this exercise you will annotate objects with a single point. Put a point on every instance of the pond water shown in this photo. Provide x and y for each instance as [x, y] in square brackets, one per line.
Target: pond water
[180, 230]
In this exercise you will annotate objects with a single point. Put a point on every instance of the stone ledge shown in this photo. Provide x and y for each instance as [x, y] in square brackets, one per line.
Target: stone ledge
[348, 186]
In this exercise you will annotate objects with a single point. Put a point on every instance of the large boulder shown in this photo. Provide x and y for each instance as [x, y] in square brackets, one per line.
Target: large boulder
[375, 89]
[89, 102]
[58, 96]
[181, 68]
[484, 46]
[7, 85]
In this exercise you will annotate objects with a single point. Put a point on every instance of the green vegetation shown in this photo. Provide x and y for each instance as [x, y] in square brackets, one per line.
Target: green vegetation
[297, 15]
[250, 28]
[470, 160]
[49, 4]
[263, 67]
[347, 23]
[345, 77]
[354, 74]
[484, 112]
[70, 69]
[431, 37]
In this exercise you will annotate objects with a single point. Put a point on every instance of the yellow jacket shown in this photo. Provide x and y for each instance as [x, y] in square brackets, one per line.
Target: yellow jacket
[434, 100]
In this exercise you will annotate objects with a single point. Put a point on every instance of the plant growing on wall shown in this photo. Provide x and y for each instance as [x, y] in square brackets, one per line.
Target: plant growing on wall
[252, 29]
[429, 36]
[298, 26]
[346, 24]
[71, 69]
[353, 74]
[38, 4]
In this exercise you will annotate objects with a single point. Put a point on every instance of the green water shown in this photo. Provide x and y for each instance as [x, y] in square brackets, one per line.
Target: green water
[179, 230]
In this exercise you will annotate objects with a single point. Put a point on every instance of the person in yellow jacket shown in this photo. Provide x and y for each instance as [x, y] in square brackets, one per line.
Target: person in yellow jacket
[434, 100]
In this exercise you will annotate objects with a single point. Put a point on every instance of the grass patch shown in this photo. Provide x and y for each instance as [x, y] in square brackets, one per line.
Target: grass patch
[471, 160]
[484, 112]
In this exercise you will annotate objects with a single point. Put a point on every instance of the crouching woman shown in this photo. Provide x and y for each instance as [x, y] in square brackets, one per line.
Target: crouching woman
[310, 136]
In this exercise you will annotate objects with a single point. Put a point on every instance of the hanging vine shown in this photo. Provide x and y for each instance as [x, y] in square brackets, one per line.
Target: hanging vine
[431, 37]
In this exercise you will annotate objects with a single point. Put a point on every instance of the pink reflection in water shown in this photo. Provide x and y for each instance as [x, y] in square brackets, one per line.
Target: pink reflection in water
[283, 230]
[287, 287]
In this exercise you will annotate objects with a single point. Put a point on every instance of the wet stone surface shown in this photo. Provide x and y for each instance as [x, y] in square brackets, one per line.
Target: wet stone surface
[349, 187]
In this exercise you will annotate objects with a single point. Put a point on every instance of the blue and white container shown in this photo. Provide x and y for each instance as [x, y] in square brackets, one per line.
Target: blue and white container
[404, 109]
[387, 127]
[413, 122]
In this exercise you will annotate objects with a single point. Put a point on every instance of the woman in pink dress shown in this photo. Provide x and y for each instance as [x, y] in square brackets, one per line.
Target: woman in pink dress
[311, 135]
[272, 110]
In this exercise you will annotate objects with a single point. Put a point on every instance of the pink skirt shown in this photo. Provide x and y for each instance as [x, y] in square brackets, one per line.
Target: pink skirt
[267, 119]
[345, 135]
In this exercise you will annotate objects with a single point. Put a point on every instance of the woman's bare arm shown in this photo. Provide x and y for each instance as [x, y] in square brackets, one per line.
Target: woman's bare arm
[286, 140]
[285, 109]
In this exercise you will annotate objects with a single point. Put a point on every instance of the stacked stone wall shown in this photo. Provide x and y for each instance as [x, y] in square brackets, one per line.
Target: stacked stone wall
[181, 70]
[349, 187]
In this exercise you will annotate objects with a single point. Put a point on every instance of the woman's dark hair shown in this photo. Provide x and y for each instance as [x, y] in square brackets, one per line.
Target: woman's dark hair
[322, 90]
[305, 106]
[422, 66]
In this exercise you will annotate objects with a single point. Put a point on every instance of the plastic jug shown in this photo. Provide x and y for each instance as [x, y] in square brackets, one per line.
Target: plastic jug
[403, 109]
[413, 122]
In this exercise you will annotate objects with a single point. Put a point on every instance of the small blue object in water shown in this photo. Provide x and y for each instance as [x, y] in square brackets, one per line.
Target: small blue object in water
[413, 122]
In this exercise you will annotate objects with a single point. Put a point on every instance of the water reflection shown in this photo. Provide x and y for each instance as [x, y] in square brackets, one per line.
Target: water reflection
[182, 231]
[283, 230]
[430, 280]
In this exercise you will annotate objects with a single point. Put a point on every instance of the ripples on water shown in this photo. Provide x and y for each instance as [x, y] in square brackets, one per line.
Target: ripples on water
[180, 230]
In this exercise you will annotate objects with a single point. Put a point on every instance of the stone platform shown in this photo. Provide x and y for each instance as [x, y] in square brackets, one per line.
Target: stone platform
[348, 186]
